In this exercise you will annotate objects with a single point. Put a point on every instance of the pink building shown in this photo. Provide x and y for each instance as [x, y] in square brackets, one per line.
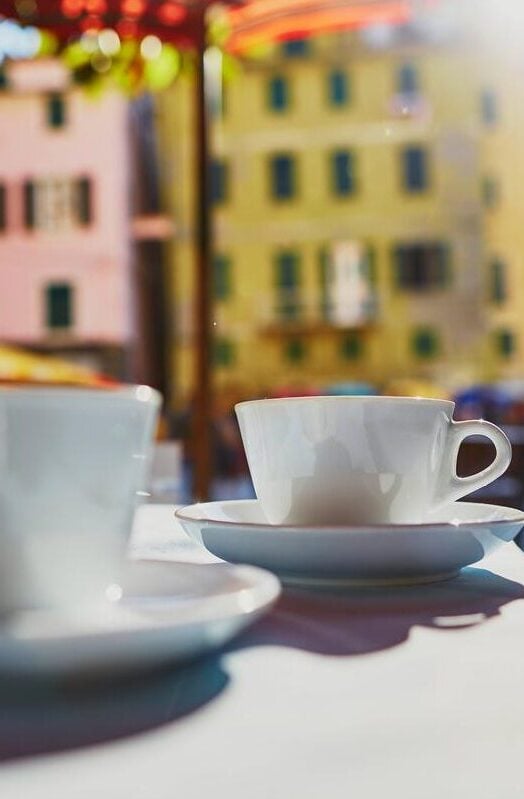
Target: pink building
[70, 258]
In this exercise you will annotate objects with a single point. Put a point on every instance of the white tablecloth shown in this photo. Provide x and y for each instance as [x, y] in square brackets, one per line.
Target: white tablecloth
[411, 693]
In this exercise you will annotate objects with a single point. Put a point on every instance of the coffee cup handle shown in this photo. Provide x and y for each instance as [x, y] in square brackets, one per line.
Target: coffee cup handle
[452, 486]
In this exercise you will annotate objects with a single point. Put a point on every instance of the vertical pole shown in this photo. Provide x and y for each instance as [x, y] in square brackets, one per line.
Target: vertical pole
[202, 288]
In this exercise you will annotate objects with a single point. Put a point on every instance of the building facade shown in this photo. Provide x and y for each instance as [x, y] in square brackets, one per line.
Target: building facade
[78, 218]
[360, 234]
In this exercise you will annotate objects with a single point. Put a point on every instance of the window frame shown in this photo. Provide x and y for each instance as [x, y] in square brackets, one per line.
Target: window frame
[343, 185]
[54, 286]
[288, 183]
[56, 110]
[415, 176]
[339, 88]
[278, 93]
[409, 276]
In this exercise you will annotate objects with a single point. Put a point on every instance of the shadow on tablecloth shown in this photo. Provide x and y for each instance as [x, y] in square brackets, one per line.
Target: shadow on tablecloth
[46, 716]
[359, 621]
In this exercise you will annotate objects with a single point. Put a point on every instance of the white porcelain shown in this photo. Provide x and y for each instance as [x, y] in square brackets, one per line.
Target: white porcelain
[169, 612]
[453, 537]
[359, 460]
[72, 463]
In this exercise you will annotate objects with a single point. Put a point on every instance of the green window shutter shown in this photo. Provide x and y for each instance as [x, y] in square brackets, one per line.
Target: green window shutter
[370, 263]
[295, 350]
[224, 352]
[407, 79]
[490, 192]
[343, 181]
[282, 169]
[3, 209]
[219, 181]
[59, 302]
[425, 343]
[296, 48]
[56, 110]
[278, 93]
[505, 342]
[288, 284]
[415, 171]
[222, 277]
[351, 347]
[338, 88]
[29, 204]
[323, 282]
[498, 289]
[84, 200]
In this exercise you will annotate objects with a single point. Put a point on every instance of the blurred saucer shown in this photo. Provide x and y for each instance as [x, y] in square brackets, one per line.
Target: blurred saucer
[457, 535]
[168, 613]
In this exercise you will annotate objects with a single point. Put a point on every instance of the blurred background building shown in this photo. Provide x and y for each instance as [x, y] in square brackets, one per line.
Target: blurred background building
[358, 193]
[366, 189]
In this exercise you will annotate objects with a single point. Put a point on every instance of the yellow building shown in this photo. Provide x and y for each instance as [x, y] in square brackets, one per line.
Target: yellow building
[352, 221]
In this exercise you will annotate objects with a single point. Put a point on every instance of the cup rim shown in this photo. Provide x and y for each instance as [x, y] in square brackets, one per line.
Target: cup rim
[141, 393]
[378, 398]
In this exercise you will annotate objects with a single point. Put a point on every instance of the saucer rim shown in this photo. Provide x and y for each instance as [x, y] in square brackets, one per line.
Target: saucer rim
[263, 586]
[367, 528]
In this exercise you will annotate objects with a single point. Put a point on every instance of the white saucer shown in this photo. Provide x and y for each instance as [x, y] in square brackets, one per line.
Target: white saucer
[169, 612]
[457, 536]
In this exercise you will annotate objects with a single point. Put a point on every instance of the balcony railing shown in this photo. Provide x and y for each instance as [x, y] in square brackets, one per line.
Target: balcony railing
[294, 311]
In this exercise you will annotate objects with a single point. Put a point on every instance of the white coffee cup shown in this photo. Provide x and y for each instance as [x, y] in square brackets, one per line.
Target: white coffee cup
[72, 464]
[359, 460]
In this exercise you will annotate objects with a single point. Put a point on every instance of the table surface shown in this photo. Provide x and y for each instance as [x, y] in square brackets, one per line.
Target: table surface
[412, 693]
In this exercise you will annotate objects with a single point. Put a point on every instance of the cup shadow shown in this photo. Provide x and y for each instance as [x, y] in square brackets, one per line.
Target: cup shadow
[361, 621]
[48, 716]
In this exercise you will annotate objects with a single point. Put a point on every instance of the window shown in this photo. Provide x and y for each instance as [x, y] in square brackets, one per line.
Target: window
[224, 352]
[222, 277]
[219, 181]
[282, 177]
[505, 343]
[423, 266]
[338, 88]
[371, 264]
[498, 289]
[296, 48]
[3, 208]
[490, 192]
[488, 107]
[29, 204]
[83, 201]
[414, 169]
[278, 93]
[425, 343]
[407, 79]
[323, 281]
[351, 347]
[287, 267]
[57, 204]
[294, 350]
[59, 311]
[56, 110]
[343, 173]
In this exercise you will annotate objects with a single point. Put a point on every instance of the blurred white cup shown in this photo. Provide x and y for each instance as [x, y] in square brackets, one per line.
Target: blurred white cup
[72, 466]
